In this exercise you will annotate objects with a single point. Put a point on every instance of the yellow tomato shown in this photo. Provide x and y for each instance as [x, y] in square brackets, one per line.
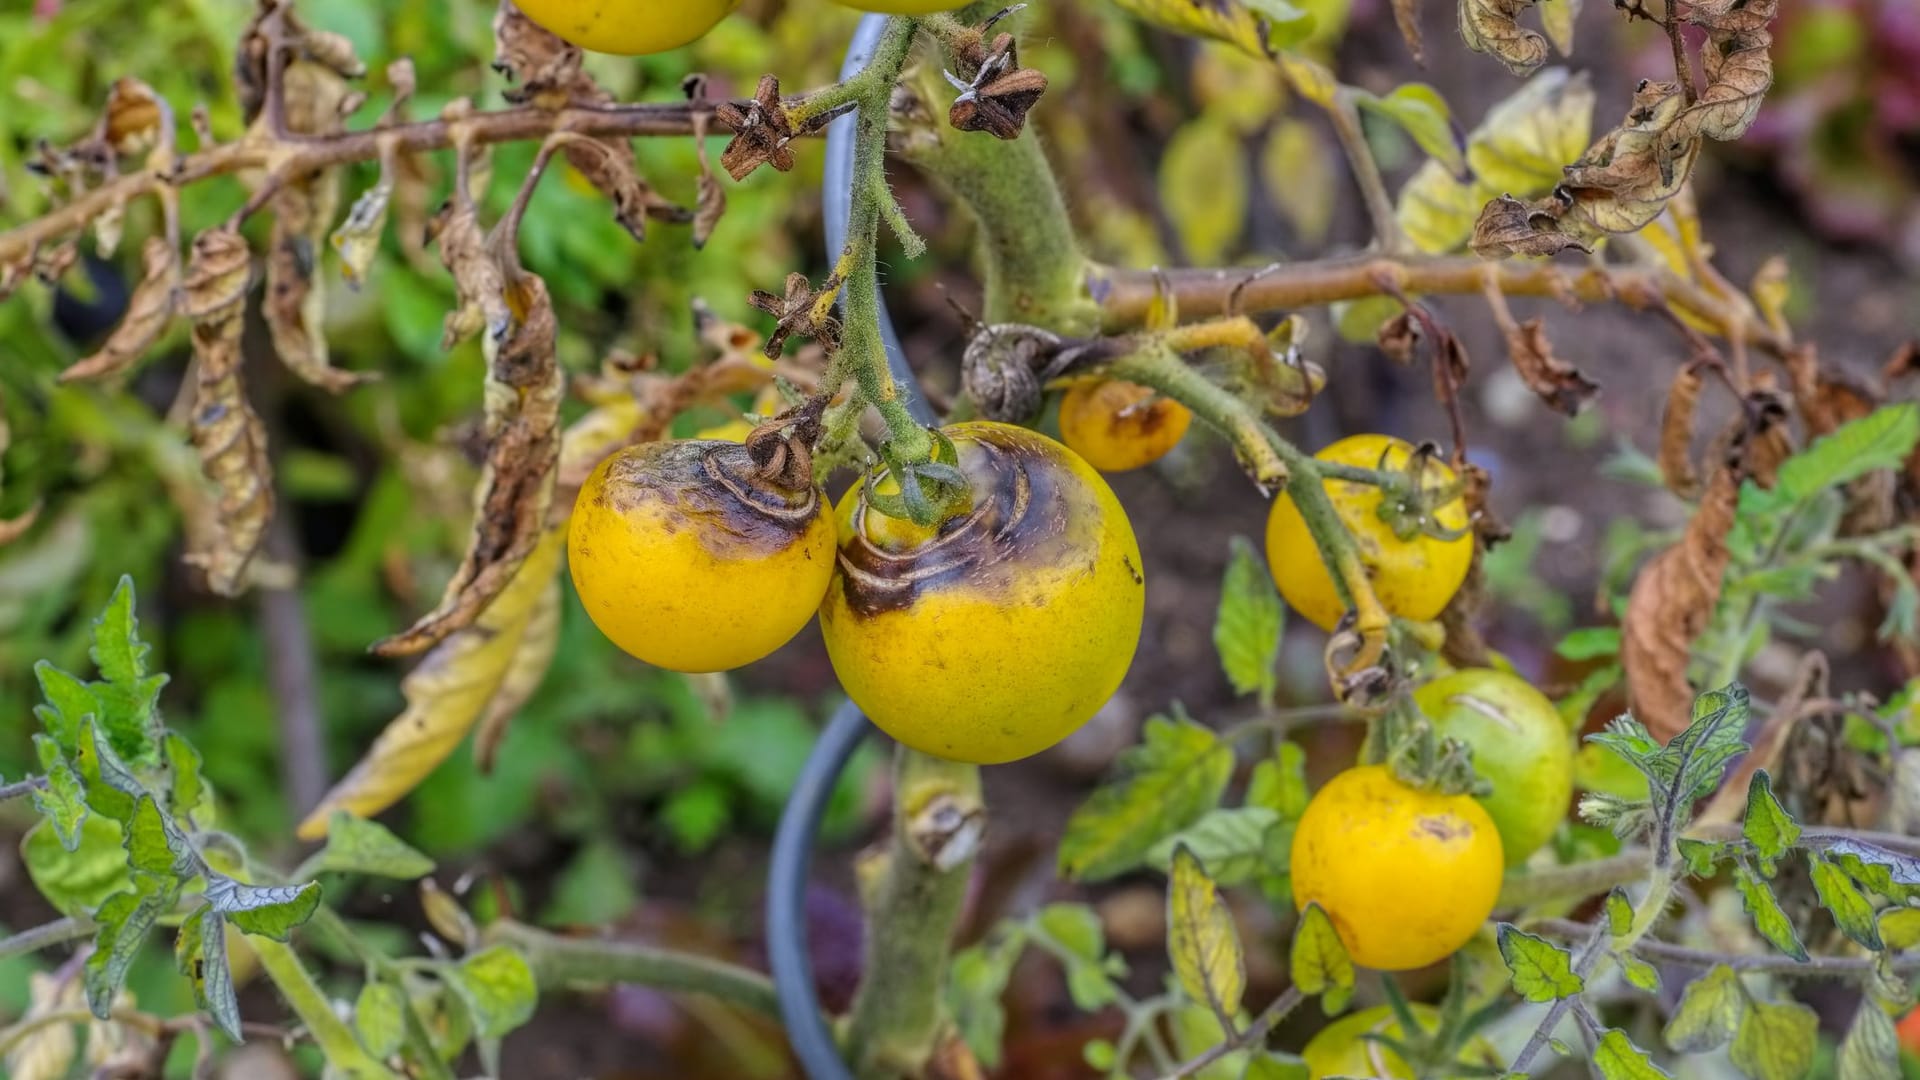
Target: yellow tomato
[1407, 876]
[1001, 634]
[689, 561]
[627, 27]
[903, 7]
[1414, 578]
[1520, 746]
[1341, 1050]
[1118, 426]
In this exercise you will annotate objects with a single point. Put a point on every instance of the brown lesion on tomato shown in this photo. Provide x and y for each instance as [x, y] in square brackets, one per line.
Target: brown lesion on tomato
[714, 489]
[1029, 511]
[1443, 827]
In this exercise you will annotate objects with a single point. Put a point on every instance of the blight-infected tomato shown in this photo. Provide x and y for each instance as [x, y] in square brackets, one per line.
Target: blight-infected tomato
[1001, 633]
[690, 560]
[1407, 876]
[627, 27]
[1118, 426]
[1414, 577]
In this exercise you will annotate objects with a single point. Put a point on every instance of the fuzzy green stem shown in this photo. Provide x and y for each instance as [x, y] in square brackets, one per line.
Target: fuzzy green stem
[861, 351]
[898, 1016]
[1528, 888]
[1034, 269]
[44, 936]
[1160, 368]
[304, 996]
[561, 961]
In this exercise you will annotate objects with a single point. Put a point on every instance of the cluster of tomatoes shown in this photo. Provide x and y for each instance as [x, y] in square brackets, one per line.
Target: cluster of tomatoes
[1000, 631]
[640, 27]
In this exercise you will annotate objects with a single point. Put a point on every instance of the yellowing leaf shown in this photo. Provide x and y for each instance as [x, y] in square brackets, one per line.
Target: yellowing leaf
[1203, 186]
[1525, 141]
[531, 661]
[445, 695]
[1238, 87]
[1303, 179]
[1776, 1042]
[1201, 940]
[1319, 962]
[1437, 209]
[1710, 1011]
[1557, 18]
[1249, 24]
[1310, 79]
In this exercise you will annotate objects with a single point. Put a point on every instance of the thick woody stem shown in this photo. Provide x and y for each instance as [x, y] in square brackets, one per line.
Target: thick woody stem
[937, 826]
[1127, 295]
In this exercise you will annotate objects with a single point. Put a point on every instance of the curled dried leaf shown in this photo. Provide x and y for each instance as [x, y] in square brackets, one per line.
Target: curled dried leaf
[1762, 437]
[711, 203]
[228, 434]
[1508, 226]
[1737, 60]
[1825, 396]
[1676, 431]
[296, 297]
[1493, 26]
[445, 694]
[357, 240]
[149, 311]
[1559, 384]
[136, 118]
[607, 164]
[546, 69]
[528, 669]
[523, 393]
[479, 287]
[1406, 16]
[1671, 602]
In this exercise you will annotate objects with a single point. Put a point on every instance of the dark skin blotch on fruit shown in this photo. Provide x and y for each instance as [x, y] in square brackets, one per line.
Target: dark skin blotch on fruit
[1022, 518]
[713, 489]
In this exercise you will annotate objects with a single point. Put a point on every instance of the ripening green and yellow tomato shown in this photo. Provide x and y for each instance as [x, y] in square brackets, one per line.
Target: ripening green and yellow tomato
[903, 7]
[1520, 745]
[1001, 632]
[627, 27]
[1414, 577]
[1118, 425]
[1341, 1049]
[1407, 876]
[689, 560]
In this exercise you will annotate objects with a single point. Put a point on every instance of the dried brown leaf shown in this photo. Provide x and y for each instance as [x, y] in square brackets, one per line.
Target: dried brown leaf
[1492, 26]
[1508, 226]
[546, 68]
[296, 297]
[445, 694]
[149, 311]
[479, 286]
[357, 240]
[1738, 63]
[1671, 602]
[711, 204]
[528, 669]
[608, 165]
[228, 434]
[1826, 397]
[1406, 16]
[1559, 384]
[1762, 436]
[524, 389]
[1628, 175]
[135, 118]
[1676, 431]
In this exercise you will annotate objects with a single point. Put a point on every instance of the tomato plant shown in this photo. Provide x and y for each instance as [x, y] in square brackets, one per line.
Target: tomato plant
[574, 323]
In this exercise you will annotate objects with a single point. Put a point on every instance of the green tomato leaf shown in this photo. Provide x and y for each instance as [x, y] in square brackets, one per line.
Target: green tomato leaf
[112, 789]
[266, 910]
[1776, 1041]
[1899, 928]
[1232, 843]
[1423, 114]
[500, 993]
[1590, 643]
[1880, 440]
[156, 846]
[188, 787]
[1280, 782]
[1886, 872]
[1319, 962]
[1710, 1011]
[78, 881]
[1618, 1059]
[1175, 775]
[200, 952]
[1099, 1054]
[975, 984]
[1541, 971]
[356, 845]
[128, 696]
[1757, 897]
[63, 801]
[69, 701]
[1871, 1050]
[125, 919]
[1201, 939]
[1851, 910]
[1712, 738]
[1247, 628]
[1769, 828]
[379, 1018]
[1640, 974]
[1702, 855]
[1619, 911]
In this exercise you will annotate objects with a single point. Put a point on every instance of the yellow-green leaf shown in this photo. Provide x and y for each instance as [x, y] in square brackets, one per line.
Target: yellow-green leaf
[1247, 627]
[1302, 176]
[1252, 25]
[1437, 209]
[1319, 962]
[1757, 897]
[1541, 971]
[1424, 115]
[1871, 1050]
[1201, 939]
[1203, 187]
[1851, 910]
[1175, 775]
[1618, 1059]
[1769, 828]
[1710, 1011]
[1776, 1041]
[1525, 141]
